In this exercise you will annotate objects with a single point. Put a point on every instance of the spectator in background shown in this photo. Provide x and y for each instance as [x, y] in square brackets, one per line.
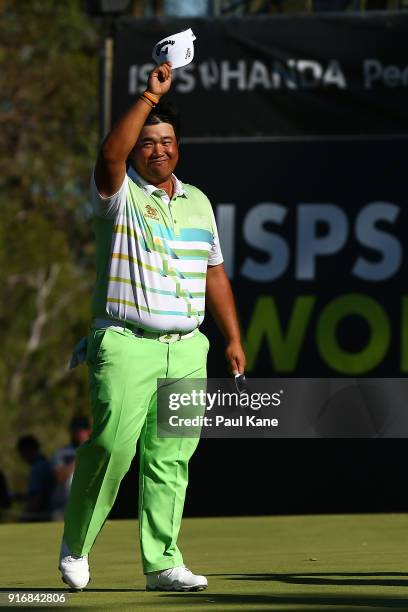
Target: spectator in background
[271, 6]
[186, 8]
[63, 464]
[324, 6]
[354, 5]
[4, 493]
[40, 483]
[376, 5]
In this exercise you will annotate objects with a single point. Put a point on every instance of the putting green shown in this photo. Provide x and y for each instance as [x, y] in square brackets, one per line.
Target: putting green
[315, 563]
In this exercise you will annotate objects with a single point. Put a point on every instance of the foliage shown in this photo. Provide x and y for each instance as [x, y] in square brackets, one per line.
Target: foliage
[48, 138]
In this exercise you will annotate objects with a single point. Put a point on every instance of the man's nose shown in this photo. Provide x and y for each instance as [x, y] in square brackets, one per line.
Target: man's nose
[158, 149]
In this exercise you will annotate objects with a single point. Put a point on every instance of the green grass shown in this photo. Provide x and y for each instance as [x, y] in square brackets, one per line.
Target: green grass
[291, 563]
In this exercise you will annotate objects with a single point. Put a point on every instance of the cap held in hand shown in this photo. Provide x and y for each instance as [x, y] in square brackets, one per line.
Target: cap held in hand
[177, 49]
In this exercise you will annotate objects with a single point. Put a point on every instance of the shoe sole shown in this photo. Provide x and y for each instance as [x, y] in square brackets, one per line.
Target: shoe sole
[76, 589]
[200, 587]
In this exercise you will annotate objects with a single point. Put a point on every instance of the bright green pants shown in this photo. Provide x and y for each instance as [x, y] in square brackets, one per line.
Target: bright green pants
[123, 373]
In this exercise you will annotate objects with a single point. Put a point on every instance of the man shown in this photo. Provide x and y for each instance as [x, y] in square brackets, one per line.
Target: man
[158, 256]
[40, 482]
[63, 464]
[5, 499]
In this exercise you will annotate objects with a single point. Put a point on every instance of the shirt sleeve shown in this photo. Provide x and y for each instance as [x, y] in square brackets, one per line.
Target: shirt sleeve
[62, 457]
[109, 207]
[215, 256]
[57, 459]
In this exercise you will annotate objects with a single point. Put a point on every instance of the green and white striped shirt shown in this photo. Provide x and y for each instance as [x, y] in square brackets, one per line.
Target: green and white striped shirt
[152, 254]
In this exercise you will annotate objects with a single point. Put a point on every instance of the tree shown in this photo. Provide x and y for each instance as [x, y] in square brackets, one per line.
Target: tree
[48, 136]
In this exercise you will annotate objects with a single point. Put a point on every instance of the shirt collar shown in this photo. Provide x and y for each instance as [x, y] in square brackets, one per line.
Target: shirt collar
[150, 189]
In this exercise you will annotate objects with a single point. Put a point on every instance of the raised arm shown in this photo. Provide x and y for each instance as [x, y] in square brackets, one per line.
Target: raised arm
[220, 302]
[110, 166]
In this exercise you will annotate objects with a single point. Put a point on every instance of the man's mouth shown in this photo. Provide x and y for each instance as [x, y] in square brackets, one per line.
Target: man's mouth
[158, 162]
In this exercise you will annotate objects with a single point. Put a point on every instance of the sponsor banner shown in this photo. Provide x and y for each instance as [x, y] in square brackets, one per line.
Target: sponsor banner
[266, 77]
[283, 407]
[314, 241]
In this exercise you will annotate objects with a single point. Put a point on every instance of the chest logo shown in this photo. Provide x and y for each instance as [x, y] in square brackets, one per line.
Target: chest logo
[151, 212]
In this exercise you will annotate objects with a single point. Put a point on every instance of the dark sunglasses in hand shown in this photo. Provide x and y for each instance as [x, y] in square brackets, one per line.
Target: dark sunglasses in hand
[241, 384]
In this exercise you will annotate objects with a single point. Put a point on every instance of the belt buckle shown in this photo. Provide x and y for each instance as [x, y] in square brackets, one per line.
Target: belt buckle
[169, 338]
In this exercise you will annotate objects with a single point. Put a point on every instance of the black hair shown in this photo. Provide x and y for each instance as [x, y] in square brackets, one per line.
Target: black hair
[26, 443]
[79, 421]
[165, 112]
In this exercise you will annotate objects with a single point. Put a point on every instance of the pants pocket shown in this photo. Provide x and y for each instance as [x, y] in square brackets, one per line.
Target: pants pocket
[96, 340]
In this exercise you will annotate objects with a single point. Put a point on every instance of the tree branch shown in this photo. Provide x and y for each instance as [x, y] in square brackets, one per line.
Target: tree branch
[44, 286]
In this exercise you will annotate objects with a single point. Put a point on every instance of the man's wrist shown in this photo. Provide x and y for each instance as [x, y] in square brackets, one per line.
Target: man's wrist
[234, 339]
[153, 97]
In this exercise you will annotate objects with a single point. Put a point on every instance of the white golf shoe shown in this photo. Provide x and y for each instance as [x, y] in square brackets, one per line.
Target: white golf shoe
[75, 570]
[175, 579]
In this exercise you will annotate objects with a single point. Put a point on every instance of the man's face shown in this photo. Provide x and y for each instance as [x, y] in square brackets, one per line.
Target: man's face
[79, 436]
[156, 153]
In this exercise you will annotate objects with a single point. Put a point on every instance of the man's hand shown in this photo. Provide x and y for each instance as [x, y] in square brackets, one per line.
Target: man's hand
[159, 81]
[236, 357]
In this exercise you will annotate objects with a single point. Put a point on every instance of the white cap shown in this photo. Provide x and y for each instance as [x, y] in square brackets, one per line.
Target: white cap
[177, 49]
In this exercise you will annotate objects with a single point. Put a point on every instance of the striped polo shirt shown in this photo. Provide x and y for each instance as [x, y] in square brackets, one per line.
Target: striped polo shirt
[152, 254]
